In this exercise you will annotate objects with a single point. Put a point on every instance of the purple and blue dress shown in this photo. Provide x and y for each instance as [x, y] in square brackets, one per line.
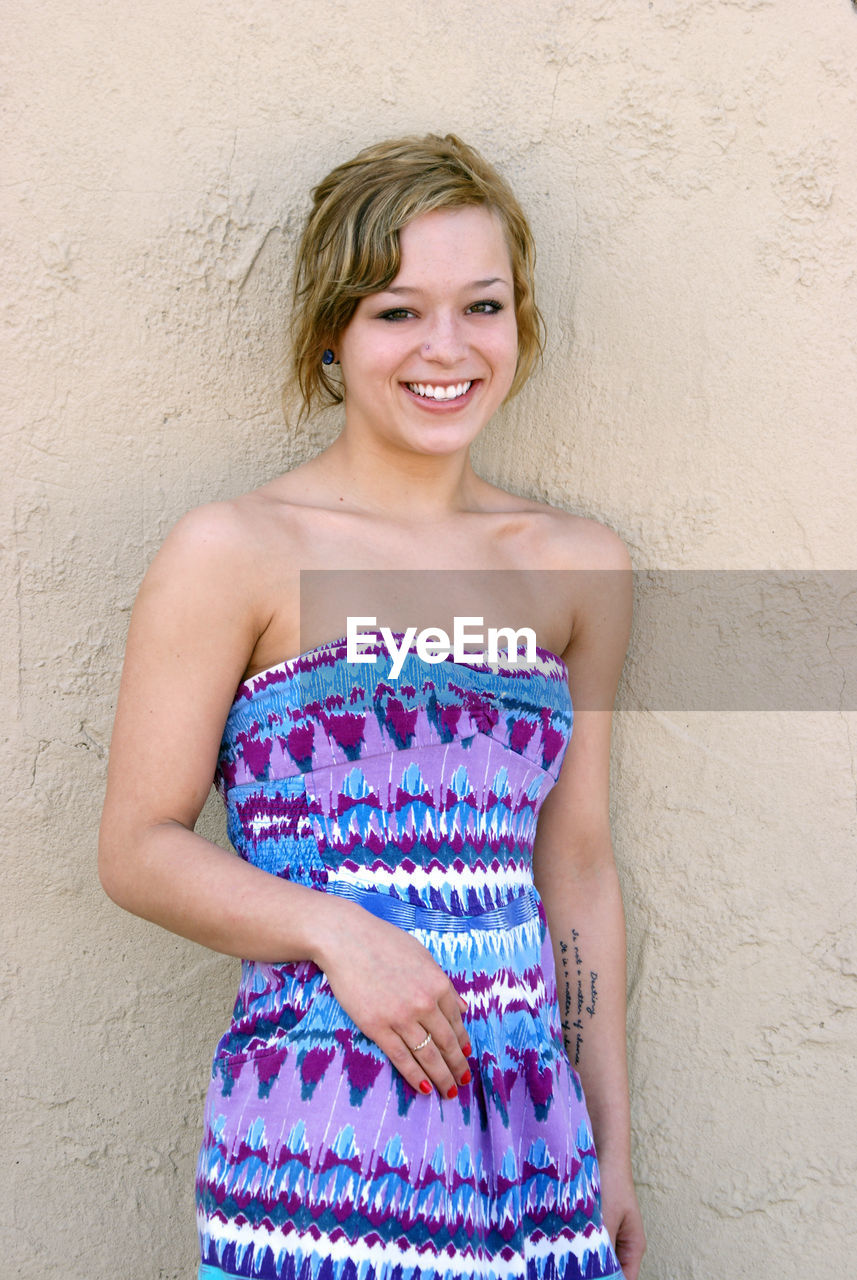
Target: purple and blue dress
[416, 797]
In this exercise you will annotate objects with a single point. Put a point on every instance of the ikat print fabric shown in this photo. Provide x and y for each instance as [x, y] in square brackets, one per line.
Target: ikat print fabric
[418, 798]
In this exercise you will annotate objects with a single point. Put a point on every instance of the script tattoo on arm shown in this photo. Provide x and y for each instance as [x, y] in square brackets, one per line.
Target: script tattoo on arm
[572, 996]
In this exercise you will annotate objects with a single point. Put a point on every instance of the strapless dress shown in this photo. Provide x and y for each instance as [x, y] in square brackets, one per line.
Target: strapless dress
[416, 797]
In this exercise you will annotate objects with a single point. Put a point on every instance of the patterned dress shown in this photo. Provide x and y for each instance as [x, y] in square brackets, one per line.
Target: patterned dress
[417, 797]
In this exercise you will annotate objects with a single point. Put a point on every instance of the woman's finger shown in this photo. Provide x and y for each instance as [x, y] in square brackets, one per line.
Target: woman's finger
[454, 1014]
[402, 1058]
[439, 1054]
[433, 1067]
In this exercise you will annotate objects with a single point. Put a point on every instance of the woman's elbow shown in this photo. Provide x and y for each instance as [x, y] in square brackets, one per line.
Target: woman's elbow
[109, 867]
[116, 871]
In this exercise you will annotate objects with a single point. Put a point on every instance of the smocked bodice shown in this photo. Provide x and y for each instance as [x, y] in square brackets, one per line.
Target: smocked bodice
[426, 787]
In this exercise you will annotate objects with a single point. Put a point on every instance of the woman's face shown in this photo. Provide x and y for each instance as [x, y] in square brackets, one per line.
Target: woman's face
[426, 362]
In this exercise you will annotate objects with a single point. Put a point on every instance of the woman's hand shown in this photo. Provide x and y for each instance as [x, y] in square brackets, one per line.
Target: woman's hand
[622, 1216]
[397, 994]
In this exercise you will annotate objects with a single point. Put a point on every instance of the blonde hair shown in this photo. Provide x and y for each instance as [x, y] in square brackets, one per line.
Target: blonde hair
[350, 245]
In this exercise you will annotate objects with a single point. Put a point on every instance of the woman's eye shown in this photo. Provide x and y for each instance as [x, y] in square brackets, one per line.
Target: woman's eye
[398, 313]
[486, 308]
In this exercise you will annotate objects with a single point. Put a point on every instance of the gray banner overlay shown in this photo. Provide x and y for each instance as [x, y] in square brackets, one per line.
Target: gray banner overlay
[701, 640]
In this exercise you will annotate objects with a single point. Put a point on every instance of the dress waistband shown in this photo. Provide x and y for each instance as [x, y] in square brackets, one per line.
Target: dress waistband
[408, 915]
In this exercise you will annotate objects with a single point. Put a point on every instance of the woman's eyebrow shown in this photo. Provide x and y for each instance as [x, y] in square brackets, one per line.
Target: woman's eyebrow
[474, 284]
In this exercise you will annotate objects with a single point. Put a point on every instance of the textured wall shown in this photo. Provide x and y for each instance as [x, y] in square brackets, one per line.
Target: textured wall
[689, 168]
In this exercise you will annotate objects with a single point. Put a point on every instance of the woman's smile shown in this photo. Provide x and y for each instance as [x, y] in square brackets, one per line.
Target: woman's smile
[452, 391]
[439, 397]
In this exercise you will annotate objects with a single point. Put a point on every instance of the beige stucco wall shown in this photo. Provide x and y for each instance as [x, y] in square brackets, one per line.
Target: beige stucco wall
[689, 166]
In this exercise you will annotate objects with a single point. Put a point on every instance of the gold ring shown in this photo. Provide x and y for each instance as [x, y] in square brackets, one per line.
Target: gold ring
[422, 1044]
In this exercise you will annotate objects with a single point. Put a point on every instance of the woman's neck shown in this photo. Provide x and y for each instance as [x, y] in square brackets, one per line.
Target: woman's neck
[401, 484]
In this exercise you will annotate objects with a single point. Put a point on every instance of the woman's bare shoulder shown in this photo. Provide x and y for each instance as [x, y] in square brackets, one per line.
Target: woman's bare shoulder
[561, 539]
[237, 533]
[584, 543]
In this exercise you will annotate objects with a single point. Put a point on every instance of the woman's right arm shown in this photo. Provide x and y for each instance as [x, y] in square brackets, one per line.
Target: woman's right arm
[194, 625]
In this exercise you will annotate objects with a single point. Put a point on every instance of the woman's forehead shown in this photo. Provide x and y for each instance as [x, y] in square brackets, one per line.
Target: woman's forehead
[466, 242]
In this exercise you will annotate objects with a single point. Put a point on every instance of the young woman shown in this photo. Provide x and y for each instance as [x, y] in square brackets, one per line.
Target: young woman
[399, 1091]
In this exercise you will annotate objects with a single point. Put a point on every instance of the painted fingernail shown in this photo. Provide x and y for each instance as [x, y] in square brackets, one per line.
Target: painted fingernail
[425, 1087]
[452, 1092]
[467, 1049]
[466, 1078]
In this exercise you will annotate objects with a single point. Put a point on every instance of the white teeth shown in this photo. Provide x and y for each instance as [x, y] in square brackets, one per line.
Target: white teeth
[440, 393]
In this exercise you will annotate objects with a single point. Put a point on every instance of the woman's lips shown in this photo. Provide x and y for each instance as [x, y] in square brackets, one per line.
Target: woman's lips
[446, 403]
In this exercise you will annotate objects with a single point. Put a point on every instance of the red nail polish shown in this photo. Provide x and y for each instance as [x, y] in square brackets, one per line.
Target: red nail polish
[452, 1092]
[467, 1049]
[425, 1087]
[466, 1078]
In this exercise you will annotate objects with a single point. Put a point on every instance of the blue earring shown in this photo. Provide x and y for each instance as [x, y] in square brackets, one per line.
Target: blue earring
[328, 357]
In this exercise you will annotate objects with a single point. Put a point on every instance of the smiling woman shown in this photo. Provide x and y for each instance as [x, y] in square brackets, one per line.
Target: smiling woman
[423, 844]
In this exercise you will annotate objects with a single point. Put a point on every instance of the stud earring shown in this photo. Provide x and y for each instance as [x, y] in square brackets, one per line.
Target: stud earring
[328, 356]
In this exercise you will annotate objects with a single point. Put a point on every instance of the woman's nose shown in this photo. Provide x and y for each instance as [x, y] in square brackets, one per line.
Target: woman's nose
[444, 340]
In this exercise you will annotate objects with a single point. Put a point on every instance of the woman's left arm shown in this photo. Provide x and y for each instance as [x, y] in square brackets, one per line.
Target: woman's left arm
[576, 876]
